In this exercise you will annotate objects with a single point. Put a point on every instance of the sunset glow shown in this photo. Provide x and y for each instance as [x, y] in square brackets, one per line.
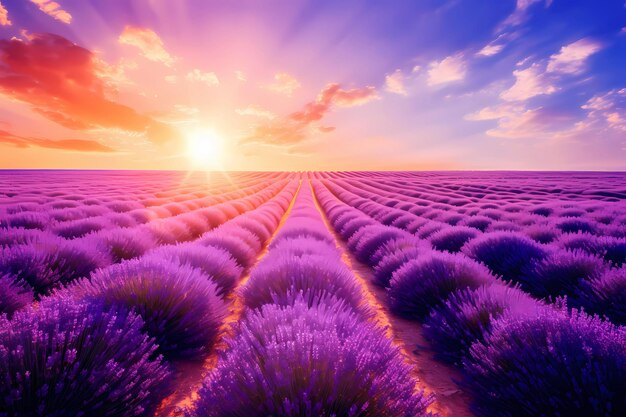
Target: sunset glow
[324, 84]
[205, 149]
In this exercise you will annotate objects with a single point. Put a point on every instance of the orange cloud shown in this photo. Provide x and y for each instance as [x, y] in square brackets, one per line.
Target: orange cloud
[54, 10]
[296, 126]
[148, 42]
[76, 145]
[4, 16]
[59, 80]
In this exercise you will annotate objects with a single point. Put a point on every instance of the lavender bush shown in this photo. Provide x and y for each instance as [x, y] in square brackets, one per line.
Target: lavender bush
[278, 278]
[466, 316]
[216, 263]
[424, 283]
[74, 358]
[14, 294]
[505, 253]
[604, 294]
[452, 239]
[560, 273]
[551, 363]
[302, 361]
[180, 306]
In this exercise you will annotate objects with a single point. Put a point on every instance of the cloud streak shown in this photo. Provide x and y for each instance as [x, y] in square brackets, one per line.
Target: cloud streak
[54, 10]
[74, 145]
[571, 58]
[148, 42]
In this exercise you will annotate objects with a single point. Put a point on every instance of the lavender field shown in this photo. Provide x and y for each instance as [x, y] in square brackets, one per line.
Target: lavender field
[310, 294]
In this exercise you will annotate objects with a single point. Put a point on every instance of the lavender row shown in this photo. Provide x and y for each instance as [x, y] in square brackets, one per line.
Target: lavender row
[520, 357]
[306, 345]
[588, 269]
[104, 344]
[70, 220]
[42, 263]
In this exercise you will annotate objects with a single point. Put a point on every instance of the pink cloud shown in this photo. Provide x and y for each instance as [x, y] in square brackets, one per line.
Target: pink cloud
[571, 58]
[148, 42]
[54, 10]
[529, 82]
[296, 127]
[394, 83]
[450, 69]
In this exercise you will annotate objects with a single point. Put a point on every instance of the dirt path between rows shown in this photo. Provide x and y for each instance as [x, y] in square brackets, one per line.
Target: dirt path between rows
[435, 377]
[189, 375]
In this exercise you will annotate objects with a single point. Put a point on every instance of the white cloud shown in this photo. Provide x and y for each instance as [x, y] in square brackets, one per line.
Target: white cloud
[450, 69]
[240, 75]
[188, 110]
[490, 49]
[529, 82]
[284, 84]
[609, 107]
[520, 14]
[571, 58]
[208, 78]
[256, 111]
[495, 112]
[394, 83]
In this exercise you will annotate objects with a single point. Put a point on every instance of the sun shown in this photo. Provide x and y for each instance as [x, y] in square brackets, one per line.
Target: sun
[205, 149]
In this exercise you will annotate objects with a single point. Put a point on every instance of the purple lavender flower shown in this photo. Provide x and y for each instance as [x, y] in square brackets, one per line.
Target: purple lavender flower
[302, 361]
[122, 244]
[180, 306]
[552, 363]
[505, 253]
[373, 239]
[452, 238]
[14, 294]
[424, 283]
[466, 316]
[238, 248]
[279, 277]
[560, 273]
[70, 359]
[216, 263]
[604, 294]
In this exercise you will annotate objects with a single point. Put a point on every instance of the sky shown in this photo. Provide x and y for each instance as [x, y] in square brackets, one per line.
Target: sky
[313, 85]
